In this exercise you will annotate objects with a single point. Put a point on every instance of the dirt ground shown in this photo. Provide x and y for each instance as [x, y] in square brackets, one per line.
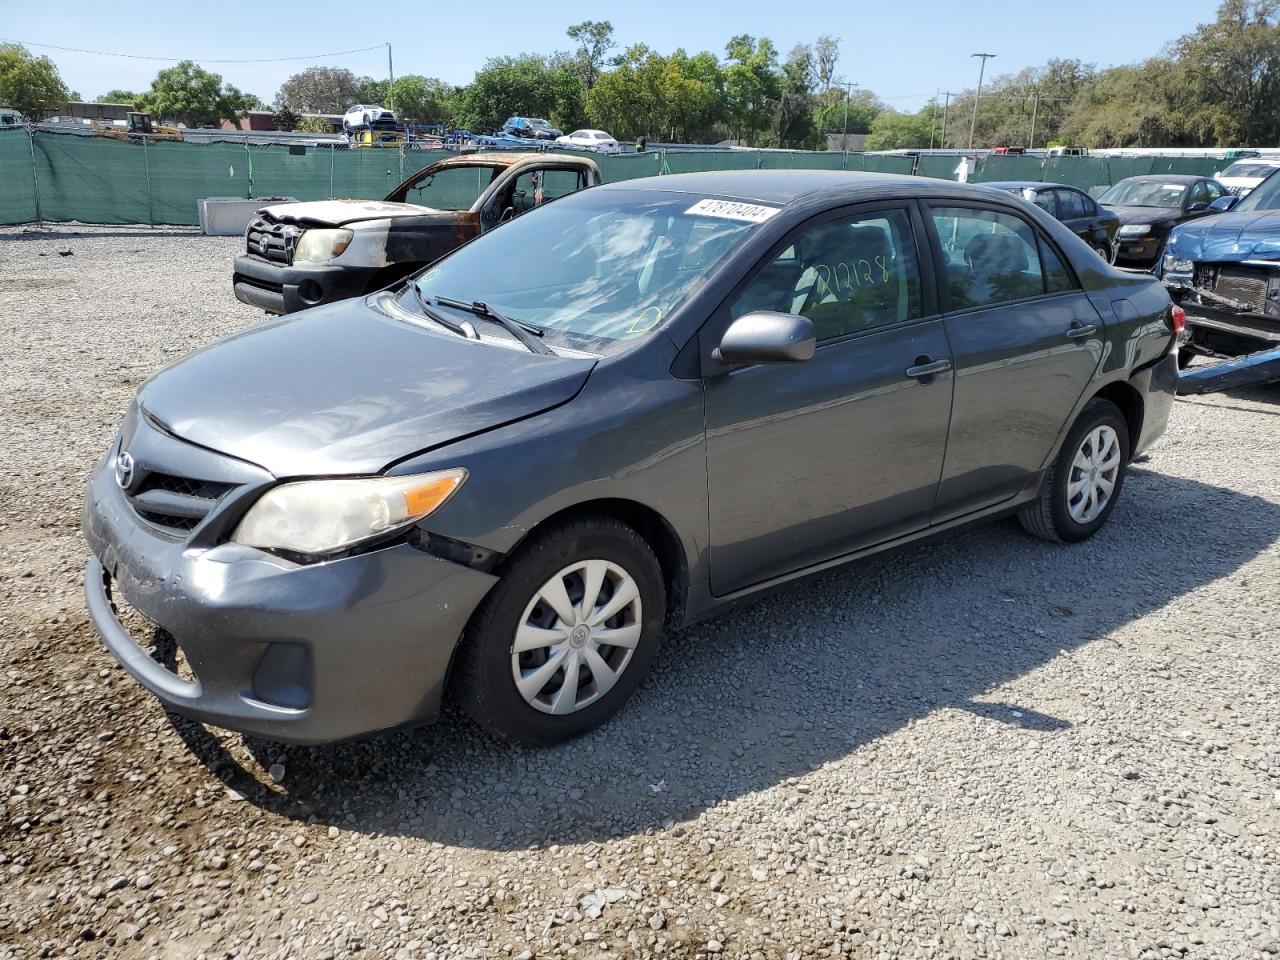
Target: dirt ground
[987, 746]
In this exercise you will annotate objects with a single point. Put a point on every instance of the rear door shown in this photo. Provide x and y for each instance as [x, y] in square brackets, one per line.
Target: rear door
[1025, 342]
[807, 461]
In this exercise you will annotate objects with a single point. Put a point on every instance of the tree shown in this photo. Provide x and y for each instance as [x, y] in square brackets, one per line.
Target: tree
[285, 119]
[829, 110]
[528, 86]
[595, 40]
[826, 51]
[313, 124]
[194, 96]
[794, 125]
[897, 131]
[31, 85]
[752, 86]
[422, 99]
[324, 90]
[119, 96]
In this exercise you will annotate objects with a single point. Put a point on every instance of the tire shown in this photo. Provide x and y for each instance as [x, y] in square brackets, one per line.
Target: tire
[1061, 517]
[485, 680]
[1107, 251]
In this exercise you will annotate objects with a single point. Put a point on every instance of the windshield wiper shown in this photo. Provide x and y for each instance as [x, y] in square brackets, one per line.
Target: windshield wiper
[464, 329]
[526, 333]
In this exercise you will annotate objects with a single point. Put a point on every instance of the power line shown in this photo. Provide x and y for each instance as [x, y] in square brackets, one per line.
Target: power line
[139, 56]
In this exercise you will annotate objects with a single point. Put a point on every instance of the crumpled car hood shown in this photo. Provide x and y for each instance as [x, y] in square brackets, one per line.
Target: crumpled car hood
[339, 213]
[1250, 235]
[346, 389]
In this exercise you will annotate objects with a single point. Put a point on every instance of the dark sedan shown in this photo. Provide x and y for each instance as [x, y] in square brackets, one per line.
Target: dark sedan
[1092, 224]
[1149, 207]
[616, 415]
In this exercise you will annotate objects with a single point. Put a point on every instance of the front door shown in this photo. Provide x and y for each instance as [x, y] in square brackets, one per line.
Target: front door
[1025, 341]
[808, 461]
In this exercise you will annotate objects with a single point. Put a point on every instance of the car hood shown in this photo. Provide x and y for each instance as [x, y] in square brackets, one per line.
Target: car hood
[1144, 214]
[339, 213]
[347, 389]
[1249, 235]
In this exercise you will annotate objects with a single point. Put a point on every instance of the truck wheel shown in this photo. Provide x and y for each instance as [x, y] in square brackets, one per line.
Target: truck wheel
[567, 634]
[1081, 488]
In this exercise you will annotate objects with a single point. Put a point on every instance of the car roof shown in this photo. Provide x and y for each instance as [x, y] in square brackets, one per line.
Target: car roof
[1027, 185]
[495, 158]
[782, 186]
[1164, 178]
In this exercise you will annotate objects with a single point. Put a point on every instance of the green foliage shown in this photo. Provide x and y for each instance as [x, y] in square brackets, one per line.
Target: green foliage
[31, 85]
[192, 95]
[326, 90]
[595, 40]
[752, 86]
[313, 125]
[897, 131]
[285, 119]
[119, 96]
[525, 86]
[422, 99]
[665, 98]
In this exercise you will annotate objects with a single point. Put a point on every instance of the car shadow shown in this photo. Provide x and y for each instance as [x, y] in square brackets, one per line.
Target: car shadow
[781, 686]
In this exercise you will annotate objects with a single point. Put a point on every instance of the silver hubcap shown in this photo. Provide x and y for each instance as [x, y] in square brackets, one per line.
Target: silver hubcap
[1093, 474]
[576, 636]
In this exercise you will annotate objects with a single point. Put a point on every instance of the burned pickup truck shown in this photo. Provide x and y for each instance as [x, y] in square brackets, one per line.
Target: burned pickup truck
[1224, 271]
[300, 255]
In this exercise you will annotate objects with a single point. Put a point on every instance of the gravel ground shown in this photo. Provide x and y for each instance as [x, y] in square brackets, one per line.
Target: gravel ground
[984, 747]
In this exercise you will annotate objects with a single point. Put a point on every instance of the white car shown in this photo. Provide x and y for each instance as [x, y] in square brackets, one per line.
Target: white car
[1243, 175]
[596, 140]
[366, 115]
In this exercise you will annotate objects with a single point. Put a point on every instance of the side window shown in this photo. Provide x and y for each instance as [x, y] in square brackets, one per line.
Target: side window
[1044, 200]
[1199, 194]
[1057, 278]
[1212, 189]
[992, 257]
[846, 275]
[1070, 205]
[535, 187]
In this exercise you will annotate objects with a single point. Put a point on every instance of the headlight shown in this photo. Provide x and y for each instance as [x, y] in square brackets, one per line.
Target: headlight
[1135, 229]
[1173, 264]
[321, 516]
[317, 246]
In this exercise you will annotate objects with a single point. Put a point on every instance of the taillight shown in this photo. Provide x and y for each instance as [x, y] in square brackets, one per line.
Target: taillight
[1175, 319]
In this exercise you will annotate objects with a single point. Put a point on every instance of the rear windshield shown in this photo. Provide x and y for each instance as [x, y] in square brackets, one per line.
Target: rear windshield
[1265, 196]
[1249, 168]
[598, 266]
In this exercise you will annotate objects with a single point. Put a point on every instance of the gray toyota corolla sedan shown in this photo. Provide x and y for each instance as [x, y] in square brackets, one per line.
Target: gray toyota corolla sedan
[611, 417]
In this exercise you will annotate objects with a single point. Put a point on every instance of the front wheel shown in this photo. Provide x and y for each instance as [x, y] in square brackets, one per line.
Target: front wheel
[1080, 489]
[1107, 251]
[566, 636]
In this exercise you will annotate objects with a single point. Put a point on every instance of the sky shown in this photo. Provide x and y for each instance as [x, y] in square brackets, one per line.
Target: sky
[903, 51]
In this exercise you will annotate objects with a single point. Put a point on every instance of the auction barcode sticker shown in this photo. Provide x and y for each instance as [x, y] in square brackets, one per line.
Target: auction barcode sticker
[731, 210]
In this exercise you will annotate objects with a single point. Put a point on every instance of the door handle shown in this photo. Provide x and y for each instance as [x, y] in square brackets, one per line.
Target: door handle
[927, 367]
[1078, 330]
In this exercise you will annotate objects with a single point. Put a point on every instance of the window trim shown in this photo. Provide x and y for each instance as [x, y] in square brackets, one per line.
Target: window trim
[943, 291]
[719, 320]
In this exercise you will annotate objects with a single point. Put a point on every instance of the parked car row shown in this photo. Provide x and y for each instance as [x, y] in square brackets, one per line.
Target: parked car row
[617, 413]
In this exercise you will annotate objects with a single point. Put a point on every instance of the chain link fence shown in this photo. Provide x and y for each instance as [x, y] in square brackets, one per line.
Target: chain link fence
[58, 176]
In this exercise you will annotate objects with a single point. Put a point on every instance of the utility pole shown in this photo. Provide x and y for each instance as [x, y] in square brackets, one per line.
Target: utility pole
[1035, 108]
[391, 73]
[933, 114]
[942, 140]
[848, 94]
[973, 124]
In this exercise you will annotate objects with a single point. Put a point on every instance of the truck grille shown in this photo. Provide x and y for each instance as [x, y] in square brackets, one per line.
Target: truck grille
[273, 242]
[177, 504]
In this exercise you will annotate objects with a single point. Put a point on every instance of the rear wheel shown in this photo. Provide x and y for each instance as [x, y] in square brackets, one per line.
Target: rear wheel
[1081, 488]
[566, 636]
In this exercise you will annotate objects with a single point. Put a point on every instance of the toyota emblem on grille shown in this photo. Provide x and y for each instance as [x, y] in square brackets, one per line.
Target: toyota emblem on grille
[262, 246]
[124, 470]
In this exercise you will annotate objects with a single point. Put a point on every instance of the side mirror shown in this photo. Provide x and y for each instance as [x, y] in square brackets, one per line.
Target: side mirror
[1223, 204]
[1198, 207]
[767, 337]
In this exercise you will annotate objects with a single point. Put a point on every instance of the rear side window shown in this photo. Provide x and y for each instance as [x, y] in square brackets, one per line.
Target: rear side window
[847, 275]
[1044, 200]
[992, 257]
[1070, 204]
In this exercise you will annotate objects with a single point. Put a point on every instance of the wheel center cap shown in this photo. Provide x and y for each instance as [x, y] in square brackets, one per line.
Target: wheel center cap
[578, 637]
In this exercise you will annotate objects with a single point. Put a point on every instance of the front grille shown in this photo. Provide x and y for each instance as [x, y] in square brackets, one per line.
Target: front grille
[177, 504]
[1244, 285]
[271, 241]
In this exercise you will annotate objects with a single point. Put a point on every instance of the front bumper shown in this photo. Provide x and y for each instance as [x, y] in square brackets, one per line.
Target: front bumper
[300, 653]
[1143, 251]
[277, 288]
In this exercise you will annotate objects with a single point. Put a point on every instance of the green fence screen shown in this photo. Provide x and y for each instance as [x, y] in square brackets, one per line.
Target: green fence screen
[61, 177]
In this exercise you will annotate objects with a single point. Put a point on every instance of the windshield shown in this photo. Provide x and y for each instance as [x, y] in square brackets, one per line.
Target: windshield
[1248, 169]
[540, 124]
[1144, 193]
[453, 188]
[597, 266]
[1265, 196]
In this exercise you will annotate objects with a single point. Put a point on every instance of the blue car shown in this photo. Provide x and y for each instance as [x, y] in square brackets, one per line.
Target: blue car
[1224, 271]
